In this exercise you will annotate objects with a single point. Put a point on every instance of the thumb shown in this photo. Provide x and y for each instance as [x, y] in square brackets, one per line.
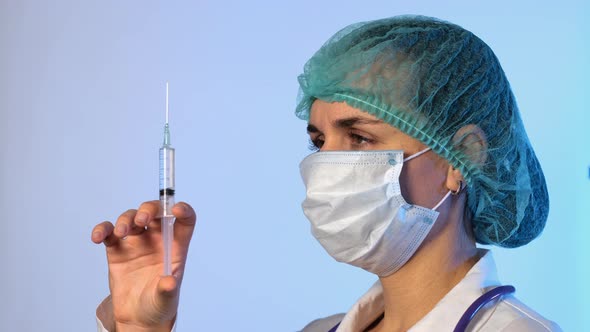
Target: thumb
[167, 296]
[185, 223]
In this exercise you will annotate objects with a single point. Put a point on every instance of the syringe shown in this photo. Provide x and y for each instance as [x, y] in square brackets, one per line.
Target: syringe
[167, 193]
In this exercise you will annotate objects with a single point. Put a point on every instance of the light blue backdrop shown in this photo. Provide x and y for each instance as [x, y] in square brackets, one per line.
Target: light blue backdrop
[82, 101]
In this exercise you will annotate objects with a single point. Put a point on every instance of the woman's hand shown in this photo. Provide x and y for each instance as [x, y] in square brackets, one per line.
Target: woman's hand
[141, 297]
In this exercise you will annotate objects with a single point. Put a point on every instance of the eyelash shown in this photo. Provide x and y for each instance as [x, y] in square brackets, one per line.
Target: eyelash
[316, 144]
[357, 137]
[313, 145]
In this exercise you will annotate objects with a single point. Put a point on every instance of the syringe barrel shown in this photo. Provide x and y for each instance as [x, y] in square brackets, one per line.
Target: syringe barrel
[167, 187]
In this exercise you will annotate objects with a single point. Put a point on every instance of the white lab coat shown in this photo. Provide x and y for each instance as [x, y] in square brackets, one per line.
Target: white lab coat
[507, 314]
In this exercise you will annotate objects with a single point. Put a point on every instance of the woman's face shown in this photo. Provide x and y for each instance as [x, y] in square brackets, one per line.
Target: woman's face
[338, 126]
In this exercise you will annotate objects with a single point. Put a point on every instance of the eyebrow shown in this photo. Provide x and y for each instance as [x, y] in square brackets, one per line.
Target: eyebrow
[345, 123]
[349, 122]
[312, 129]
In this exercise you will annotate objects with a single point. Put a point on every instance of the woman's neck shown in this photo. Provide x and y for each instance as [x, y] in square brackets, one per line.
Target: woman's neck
[440, 263]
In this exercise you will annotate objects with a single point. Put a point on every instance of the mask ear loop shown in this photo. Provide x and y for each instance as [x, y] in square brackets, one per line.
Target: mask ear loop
[450, 192]
[417, 154]
[442, 200]
[458, 191]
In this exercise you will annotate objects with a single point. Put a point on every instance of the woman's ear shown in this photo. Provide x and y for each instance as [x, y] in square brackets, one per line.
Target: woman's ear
[471, 140]
[455, 181]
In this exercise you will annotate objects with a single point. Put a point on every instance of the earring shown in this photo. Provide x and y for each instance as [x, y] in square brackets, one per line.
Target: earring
[458, 191]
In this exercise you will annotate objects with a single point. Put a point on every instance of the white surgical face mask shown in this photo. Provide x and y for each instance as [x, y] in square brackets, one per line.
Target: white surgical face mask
[357, 211]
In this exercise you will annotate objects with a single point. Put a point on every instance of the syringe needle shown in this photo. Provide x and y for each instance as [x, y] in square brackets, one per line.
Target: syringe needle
[166, 102]
[166, 127]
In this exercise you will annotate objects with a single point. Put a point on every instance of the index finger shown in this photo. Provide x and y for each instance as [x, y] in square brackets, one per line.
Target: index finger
[147, 212]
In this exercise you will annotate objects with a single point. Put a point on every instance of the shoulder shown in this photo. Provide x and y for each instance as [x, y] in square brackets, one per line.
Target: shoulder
[510, 315]
[323, 324]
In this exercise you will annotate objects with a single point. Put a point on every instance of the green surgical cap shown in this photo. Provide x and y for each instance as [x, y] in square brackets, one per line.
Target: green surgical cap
[430, 79]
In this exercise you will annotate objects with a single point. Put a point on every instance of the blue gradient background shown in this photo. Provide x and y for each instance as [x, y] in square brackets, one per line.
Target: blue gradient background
[82, 101]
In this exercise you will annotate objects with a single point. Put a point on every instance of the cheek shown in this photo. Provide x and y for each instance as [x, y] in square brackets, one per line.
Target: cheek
[423, 182]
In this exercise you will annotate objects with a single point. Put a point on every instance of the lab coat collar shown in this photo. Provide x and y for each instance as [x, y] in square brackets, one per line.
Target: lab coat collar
[446, 313]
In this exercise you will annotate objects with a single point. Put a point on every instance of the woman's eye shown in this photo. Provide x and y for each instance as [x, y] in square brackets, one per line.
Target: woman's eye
[315, 144]
[359, 139]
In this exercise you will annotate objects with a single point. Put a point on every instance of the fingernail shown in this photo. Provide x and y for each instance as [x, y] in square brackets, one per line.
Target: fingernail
[97, 234]
[141, 218]
[181, 207]
[122, 229]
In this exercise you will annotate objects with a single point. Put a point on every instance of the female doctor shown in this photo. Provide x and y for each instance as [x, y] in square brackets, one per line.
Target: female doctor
[421, 154]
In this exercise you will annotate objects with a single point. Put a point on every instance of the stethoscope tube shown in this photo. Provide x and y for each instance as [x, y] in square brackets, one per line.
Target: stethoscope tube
[479, 303]
[468, 315]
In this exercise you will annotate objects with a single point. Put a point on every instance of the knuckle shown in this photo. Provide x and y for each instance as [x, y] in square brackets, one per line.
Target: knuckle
[101, 227]
[127, 216]
[108, 227]
[150, 206]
